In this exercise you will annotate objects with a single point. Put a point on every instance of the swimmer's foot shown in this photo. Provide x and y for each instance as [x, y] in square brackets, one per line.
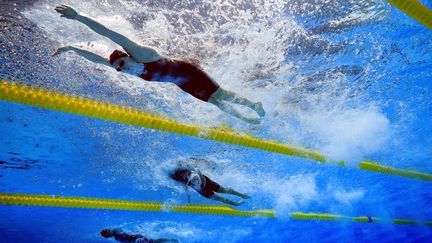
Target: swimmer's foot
[258, 107]
[245, 196]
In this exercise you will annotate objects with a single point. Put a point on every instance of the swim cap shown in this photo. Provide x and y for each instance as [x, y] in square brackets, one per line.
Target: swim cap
[106, 233]
[181, 175]
[116, 55]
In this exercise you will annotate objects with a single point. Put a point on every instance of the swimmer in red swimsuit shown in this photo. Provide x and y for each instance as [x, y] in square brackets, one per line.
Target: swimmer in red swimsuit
[205, 186]
[146, 63]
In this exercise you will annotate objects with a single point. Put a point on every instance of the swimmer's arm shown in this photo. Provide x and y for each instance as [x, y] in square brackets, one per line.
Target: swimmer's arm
[86, 54]
[139, 53]
[188, 195]
[226, 200]
[203, 179]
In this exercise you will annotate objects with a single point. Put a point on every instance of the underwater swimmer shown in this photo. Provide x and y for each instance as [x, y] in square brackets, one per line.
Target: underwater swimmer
[147, 64]
[119, 235]
[205, 186]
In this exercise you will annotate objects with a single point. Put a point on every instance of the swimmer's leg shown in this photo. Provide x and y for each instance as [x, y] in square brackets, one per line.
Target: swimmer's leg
[226, 200]
[233, 192]
[222, 94]
[230, 110]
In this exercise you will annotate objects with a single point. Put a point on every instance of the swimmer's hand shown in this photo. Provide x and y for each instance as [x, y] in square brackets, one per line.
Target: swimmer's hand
[61, 50]
[238, 203]
[66, 11]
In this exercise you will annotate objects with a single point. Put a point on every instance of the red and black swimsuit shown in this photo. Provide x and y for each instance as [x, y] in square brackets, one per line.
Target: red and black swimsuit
[207, 188]
[189, 77]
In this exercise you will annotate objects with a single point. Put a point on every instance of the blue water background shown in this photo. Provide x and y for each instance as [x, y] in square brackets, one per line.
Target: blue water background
[53, 153]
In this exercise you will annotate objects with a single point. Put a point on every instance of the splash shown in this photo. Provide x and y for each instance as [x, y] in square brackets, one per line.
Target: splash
[255, 50]
[352, 134]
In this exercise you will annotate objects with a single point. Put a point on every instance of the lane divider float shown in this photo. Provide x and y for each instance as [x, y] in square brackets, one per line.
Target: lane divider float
[415, 9]
[42, 98]
[113, 204]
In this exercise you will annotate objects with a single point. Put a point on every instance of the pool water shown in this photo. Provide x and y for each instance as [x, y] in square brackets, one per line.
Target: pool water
[350, 79]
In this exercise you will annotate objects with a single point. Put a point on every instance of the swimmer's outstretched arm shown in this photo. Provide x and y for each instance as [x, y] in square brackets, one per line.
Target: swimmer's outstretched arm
[86, 54]
[138, 52]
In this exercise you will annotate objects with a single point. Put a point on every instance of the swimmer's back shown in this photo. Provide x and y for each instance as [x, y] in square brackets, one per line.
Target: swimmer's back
[189, 77]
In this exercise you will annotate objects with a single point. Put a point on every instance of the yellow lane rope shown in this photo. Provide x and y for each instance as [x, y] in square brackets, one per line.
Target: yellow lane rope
[415, 9]
[79, 202]
[359, 219]
[86, 107]
[112, 204]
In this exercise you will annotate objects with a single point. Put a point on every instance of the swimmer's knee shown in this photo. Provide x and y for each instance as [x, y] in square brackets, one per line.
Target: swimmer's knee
[219, 94]
[212, 100]
[215, 101]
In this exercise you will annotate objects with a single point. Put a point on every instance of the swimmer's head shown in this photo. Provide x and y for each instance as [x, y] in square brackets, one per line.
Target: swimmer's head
[180, 176]
[116, 55]
[119, 60]
[107, 233]
[123, 62]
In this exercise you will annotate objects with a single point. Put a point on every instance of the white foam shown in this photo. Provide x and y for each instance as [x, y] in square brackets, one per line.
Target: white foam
[288, 194]
[351, 134]
[348, 197]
